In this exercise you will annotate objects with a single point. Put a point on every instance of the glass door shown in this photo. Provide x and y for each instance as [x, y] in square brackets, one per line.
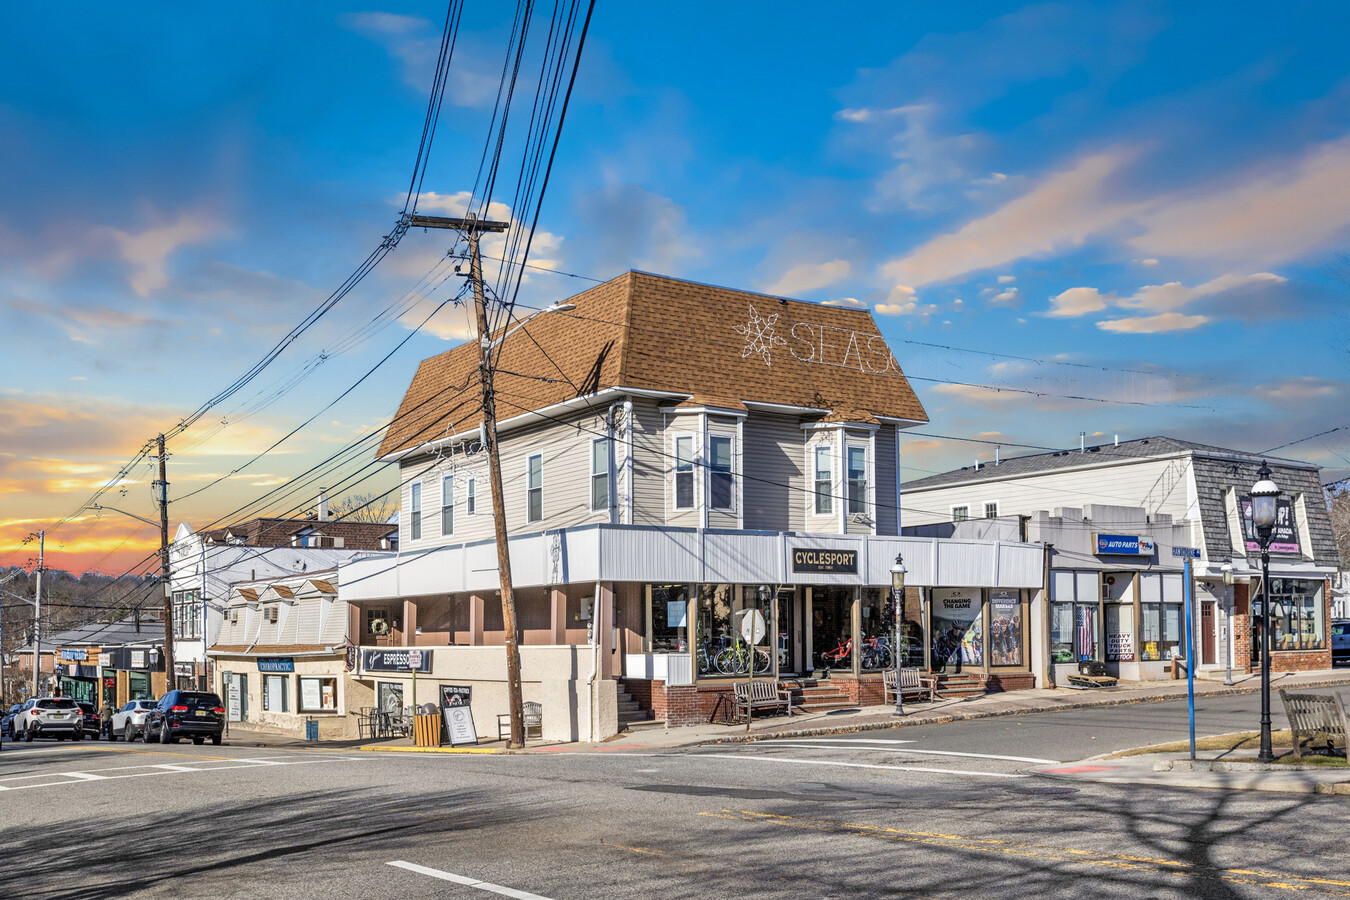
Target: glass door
[789, 639]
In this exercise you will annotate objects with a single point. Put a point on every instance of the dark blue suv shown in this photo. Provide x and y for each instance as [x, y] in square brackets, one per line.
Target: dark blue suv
[193, 714]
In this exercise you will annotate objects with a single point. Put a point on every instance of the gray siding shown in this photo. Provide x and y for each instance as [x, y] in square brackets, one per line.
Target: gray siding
[885, 468]
[774, 476]
[649, 464]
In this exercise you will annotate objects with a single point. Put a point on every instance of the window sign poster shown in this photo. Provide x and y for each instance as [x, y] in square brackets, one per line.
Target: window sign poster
[1119, 633]
[1005, 629]
[309, 693]
[957, 634]
[676, 613]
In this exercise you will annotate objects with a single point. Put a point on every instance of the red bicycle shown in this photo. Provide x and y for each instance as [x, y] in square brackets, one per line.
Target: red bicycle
[840, 657]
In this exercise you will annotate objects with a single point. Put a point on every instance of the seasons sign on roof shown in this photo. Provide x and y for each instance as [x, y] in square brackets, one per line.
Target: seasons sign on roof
[822, 345]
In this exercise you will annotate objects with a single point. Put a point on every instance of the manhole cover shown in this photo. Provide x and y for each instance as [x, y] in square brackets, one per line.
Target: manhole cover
[1035, 791]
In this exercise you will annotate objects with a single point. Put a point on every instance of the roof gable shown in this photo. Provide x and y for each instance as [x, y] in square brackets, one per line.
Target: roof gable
[715, 346]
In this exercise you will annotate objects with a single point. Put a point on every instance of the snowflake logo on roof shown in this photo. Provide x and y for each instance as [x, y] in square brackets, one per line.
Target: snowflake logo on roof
[760, 338]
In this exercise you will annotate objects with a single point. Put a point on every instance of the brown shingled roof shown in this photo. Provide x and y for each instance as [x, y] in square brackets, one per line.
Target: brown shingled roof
[719, 346]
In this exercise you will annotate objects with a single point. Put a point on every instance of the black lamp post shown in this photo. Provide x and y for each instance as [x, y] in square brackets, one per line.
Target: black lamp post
[1263, 495]
[897, 602]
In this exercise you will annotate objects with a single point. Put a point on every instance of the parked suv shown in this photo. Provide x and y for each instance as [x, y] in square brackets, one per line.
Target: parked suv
[1340, 641]
[195, 714]
[7, 723]
[129, 721]
[56, 717]
[93, 723]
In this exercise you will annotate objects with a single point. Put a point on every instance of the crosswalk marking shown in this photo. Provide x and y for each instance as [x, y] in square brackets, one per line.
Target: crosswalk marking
[466, 881]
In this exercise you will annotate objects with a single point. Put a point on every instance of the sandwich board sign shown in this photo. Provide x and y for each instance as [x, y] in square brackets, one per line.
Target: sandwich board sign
[458, 714]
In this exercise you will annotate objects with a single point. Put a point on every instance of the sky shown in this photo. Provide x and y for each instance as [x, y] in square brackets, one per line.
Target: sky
[1117, 219]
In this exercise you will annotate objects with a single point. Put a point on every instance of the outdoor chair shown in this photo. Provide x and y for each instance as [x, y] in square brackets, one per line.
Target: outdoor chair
[534, 721]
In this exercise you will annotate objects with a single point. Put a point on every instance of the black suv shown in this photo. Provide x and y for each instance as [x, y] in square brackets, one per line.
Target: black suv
[195, 714]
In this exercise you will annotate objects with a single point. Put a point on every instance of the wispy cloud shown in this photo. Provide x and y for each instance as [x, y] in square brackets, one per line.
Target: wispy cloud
[805, 277]
[1162, 322]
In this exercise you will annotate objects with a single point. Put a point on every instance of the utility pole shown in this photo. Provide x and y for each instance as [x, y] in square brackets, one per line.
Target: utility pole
[472, 226]
[37, 620]
[162, 495]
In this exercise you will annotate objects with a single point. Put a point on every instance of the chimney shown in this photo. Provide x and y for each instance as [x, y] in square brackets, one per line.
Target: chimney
[322, 515]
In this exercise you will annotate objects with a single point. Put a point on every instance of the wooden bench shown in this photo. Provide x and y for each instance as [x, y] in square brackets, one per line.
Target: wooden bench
[912, 684]
[1316, 715]
[754, 695]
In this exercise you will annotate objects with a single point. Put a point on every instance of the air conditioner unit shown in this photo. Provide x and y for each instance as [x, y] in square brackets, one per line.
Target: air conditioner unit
[271, 613]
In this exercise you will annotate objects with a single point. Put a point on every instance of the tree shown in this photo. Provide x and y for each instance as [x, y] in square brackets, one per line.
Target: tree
[375, 508]
[1338, 503]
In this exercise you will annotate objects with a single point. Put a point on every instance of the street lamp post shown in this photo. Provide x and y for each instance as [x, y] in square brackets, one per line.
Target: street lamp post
[898, 571]
[1263, 495]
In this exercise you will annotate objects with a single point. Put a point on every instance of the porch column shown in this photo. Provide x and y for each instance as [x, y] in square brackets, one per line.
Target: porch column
[558, 616]
[409, 623]
[604, 626]
[475, 620]
[355, 627]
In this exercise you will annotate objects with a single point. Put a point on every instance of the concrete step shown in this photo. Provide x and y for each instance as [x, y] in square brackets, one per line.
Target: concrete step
[642, 724]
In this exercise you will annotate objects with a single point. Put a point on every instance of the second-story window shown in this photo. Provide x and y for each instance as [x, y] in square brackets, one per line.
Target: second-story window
[448, 504]
[415, 523]
[599, 474]
[471, 497]
[684, 472]
[534, 489]
[991, 510]
[857, 479]
[721, 481]
[823, 468]
[960, 513]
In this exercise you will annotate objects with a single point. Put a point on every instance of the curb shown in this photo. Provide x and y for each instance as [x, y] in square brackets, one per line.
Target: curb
[377, 749]
[994, 714]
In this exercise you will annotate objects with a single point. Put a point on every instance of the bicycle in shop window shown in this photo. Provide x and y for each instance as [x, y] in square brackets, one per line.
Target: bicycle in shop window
[735, 660]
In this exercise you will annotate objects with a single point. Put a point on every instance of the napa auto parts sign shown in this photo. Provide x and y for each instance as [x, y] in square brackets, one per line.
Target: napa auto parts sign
[1123, 545]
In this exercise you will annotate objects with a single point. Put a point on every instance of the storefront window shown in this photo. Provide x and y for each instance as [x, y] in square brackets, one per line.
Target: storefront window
[138, 686]
[958, 628]
[669, 605]
[1161, 615]
[1073, 616]
[727, 614]
[319, 694]
[1296, 615]
[878, 630]
[1005, 628]
[832, 627]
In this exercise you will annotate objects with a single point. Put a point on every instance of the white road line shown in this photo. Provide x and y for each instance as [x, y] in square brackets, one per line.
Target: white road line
[169, 768]
[160, 770]
[83, 776]
[849, 765]
[466, 881]
[843, 745]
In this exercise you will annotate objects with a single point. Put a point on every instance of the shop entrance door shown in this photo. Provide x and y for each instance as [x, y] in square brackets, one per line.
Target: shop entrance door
[789, 632]
[832, 628]
[1207, 633]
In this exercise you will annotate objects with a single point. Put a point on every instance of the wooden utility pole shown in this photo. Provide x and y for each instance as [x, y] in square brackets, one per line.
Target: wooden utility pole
[162, 495]
[472, 226]
[37, 621]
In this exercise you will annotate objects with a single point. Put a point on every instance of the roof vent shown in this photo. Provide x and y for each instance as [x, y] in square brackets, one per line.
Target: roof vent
[1093, 449]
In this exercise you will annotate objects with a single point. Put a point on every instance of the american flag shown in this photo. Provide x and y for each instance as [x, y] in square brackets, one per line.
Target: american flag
[1087, 645]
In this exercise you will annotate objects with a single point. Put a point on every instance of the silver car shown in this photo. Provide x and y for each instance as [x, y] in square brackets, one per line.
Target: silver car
[128, 723]
[56, 717]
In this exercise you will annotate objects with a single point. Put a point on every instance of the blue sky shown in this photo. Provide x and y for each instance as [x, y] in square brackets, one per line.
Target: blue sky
[1144, 204]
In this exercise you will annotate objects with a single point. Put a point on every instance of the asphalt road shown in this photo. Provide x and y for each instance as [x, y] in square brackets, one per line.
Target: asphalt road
[945, 812]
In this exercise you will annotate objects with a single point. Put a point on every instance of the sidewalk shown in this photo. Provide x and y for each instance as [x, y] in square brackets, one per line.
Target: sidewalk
[1232, 772]
[1004, 704]
[654, 739]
